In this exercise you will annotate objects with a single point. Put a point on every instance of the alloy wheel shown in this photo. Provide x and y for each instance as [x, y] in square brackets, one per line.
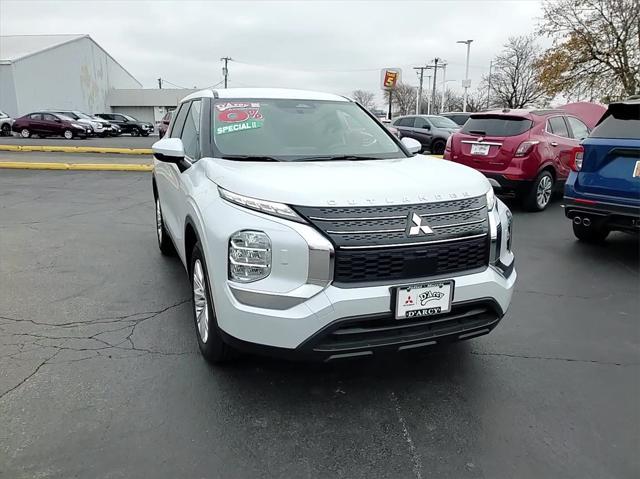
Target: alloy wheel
[200, 301]
[543, 191]
[68, 134]
[25, 133]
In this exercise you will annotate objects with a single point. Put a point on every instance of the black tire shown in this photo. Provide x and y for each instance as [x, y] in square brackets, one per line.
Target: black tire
[144, 133]
[6, 130]
[590, 234]
[135, 132]
[535, 199]
[213, 348]
[164, 241]
[437, 147]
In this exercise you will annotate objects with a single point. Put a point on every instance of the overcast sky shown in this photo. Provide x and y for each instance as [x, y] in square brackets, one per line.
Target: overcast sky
[332, 46]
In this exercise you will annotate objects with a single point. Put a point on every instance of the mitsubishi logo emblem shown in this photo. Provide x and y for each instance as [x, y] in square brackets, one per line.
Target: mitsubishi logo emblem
[415, 226]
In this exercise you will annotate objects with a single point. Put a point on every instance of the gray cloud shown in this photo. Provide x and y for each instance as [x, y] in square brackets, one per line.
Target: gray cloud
[333, 46]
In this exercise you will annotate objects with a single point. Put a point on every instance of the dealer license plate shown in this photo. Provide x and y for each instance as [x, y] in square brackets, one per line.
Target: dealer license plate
[426, 299]
[478, 149]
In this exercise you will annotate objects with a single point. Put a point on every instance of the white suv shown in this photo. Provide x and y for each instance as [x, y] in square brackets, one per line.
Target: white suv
[308, 229]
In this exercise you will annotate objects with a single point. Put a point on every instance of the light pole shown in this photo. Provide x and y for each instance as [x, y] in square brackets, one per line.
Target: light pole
[444, 88]
[466, 84]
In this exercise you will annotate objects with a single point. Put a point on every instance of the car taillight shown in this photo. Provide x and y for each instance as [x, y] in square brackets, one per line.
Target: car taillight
[576, 158]
[447, 147]
[525, 147]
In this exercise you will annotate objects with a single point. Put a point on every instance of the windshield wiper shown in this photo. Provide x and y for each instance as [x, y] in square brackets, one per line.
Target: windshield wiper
[249, 158]
[336, 158]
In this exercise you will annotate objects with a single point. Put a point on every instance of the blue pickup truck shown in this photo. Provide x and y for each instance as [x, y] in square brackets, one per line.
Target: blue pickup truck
[602, 193]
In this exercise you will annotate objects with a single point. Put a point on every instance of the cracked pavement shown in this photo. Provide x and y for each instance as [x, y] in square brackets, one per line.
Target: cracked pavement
[100, 374]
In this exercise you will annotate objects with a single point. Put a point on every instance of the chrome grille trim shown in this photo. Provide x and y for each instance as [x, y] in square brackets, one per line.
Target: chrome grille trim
[363, 232]
[424, 215]
[457, 224]
[419, 243]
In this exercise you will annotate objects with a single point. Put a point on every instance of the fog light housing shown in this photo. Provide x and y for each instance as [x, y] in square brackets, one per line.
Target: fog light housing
[249, 256]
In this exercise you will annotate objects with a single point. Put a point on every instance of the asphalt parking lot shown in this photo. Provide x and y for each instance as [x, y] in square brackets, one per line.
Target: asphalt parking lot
[101, 375]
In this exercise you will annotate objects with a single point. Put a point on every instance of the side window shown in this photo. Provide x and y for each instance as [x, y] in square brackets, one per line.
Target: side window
[176, 127]
[558, 127]
[48, 117]
[35, 116]
[579, 129]
[422, 123]
[408, 121]
[191, 131]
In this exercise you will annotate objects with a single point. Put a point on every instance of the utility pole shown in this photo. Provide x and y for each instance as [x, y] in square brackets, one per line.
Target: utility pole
[467, 83]
[160, 83]
[489, 86]
[419, 93]
[225, 68]
[444, 85]
[429, 96]
[435, 75]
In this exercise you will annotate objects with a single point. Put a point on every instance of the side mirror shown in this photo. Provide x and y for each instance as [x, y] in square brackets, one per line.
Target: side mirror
[426, 126]
[58, 120]
[414, 146]
[170, 150]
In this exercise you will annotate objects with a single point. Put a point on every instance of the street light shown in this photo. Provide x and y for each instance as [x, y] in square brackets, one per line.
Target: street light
[466, 83]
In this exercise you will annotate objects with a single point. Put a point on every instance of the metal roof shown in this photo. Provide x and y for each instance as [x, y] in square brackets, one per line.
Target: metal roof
[146, 96]
[15, 47]
[265, 93]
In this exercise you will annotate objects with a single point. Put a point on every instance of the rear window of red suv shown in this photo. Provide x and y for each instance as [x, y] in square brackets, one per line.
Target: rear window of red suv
[496, 125]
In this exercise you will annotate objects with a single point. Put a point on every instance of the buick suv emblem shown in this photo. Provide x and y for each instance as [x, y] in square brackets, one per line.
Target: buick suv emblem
[416, 226]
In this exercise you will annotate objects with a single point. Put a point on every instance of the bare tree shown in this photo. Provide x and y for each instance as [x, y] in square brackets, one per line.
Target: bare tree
[404, 99]
[596, 50]
[515, 81]
[365, 98]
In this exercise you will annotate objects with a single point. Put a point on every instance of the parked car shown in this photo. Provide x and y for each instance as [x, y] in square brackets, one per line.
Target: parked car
[44, 123]
[96, 127]
[602, 193]
[431, 131]
[458, 117]
[5, 124]
[522, 152]
[308, 230]
[128, 124]
[163, 124]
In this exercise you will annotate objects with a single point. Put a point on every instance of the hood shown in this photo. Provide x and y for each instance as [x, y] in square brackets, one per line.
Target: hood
[418, 179]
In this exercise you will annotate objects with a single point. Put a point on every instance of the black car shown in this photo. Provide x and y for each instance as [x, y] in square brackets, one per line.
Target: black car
[128, 124]
[459, 117]
[432, 131]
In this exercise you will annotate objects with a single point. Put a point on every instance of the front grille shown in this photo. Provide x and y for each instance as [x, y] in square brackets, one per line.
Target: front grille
[370, 333]
[372, 242]
[393, 264]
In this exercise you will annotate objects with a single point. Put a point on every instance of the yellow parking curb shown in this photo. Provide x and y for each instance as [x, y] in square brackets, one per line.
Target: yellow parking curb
[27, 165]
[77, 149]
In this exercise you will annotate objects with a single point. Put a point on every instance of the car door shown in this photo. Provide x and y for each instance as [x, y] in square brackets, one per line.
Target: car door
[404, 126]
[35, 124]
[51, 124]
[423, 131]
[561, 144]
[168, 178]
[120, 121]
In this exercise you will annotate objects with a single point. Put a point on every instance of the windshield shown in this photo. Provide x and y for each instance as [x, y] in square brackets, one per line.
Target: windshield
[130, 118]
[68, 115]
[79, 114]
[299, 130]
[65, 117]
[496, 125]
[442, 122]
[3, 114]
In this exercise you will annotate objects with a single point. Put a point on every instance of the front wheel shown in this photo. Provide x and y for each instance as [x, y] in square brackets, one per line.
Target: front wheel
[68, 134]
[135, 132]
[539, 195]
[25, 133]
[212, 347]
[6, 130]
[164, 242]
[590, 234]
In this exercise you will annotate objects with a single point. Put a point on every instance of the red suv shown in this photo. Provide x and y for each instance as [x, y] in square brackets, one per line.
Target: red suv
[526, 152]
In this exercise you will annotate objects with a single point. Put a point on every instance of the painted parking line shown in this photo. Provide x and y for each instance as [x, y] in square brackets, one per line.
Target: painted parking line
[31, 165]
[76, 149]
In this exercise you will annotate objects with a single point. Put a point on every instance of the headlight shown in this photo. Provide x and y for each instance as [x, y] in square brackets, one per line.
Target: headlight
[96, 125]
[491, 199]
[268, 207]
[249, 256]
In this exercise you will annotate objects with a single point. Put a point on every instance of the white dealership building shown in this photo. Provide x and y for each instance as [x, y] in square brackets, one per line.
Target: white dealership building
[73, 72]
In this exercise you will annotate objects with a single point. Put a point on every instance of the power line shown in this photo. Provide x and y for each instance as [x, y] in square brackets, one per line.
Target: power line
[173, 84]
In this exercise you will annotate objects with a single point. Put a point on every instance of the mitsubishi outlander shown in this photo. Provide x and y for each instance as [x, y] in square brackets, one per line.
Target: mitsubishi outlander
[309, 230]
